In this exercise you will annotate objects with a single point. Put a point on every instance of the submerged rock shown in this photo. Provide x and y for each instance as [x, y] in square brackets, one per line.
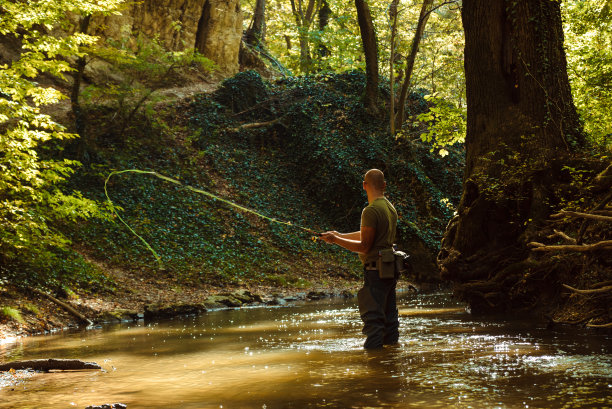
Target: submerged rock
[246, 296]
[316, 295]
[118, 316]
[108, 406]
[348, 294]
[220, 301]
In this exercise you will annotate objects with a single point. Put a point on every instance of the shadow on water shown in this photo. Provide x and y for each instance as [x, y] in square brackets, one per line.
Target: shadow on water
[311, 356]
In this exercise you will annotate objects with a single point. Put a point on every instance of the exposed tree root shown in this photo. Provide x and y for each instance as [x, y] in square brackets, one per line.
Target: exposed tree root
[591, 216]
[562, 235]
[608, 325]
[602, 245]
[547, 259]
[590, 291]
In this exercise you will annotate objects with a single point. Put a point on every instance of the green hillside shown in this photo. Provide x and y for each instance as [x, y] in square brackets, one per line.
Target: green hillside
[305, 168]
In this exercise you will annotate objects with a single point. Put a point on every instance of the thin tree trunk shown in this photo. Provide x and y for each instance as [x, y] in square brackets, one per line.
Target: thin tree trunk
[305, 59]
[370, 49]
[521, 122]
[423, 17]
[255, 34]
[79, 118]
[303, 20]
[393, 18]
[324, 13]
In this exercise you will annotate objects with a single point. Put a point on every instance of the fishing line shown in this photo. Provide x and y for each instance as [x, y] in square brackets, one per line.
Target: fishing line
[193, 189]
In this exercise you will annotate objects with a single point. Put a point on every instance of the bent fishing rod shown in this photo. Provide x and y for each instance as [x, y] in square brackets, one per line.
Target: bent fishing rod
[193, 189]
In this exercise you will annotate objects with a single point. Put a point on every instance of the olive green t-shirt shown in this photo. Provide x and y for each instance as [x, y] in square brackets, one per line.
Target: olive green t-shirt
[381, 215]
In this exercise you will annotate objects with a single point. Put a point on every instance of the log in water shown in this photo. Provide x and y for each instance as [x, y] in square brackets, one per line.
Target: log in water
[51, 364]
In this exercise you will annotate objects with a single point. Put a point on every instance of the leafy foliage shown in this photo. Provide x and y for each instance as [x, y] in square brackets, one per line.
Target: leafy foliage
[444, 124]
[588, 41]
[439, 65]
[31, 197]
[10, 313]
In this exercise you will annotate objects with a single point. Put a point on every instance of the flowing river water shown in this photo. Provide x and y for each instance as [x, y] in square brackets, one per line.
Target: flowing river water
[310, 356]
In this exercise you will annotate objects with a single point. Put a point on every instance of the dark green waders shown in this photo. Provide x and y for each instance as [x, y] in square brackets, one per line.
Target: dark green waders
[378, 310]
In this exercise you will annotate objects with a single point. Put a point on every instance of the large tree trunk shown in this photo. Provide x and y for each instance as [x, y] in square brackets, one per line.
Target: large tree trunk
[521, 121]
[370, 49]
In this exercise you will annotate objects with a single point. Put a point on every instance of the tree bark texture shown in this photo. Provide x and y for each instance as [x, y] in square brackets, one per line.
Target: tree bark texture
[370, 49]
[521, 121]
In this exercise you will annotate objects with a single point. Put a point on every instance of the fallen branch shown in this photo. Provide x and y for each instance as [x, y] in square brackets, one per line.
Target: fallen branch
[564, 236]
[581, 215]
[602, 245]
[65, 306]
[47, 365]
[590, 291]
[254, 125]
[608, 325]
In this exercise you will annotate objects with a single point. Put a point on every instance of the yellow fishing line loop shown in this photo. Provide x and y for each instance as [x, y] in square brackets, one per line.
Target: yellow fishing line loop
[193, 189]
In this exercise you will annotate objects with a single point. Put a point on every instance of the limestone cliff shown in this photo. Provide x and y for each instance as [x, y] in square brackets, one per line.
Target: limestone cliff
[213, 27]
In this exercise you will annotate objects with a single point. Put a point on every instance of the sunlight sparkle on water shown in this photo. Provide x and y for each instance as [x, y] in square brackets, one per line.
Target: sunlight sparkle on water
[312, 355]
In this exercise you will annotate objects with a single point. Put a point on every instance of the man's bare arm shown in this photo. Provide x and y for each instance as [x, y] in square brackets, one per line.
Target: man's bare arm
[356, 235]
[362, 244]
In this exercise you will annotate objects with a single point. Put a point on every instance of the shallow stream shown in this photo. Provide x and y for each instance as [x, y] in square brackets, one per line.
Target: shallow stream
[310, 356]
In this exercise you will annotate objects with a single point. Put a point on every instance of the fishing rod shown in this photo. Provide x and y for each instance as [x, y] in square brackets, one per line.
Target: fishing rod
[193, 189]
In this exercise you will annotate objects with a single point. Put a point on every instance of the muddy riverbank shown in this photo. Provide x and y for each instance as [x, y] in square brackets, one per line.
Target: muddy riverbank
[148, 298]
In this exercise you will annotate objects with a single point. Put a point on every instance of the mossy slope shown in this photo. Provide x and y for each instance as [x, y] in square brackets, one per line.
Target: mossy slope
[306, 167]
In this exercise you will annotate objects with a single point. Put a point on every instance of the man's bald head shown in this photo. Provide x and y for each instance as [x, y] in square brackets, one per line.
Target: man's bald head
[376, 179]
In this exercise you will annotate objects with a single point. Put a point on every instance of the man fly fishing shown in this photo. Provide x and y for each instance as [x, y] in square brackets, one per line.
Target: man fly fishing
[374, 240]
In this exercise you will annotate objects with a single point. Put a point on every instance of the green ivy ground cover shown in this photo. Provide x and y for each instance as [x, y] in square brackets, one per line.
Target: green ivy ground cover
[306, 169]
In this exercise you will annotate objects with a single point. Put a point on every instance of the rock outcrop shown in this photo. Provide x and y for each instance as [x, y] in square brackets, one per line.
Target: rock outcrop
[213, 27]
